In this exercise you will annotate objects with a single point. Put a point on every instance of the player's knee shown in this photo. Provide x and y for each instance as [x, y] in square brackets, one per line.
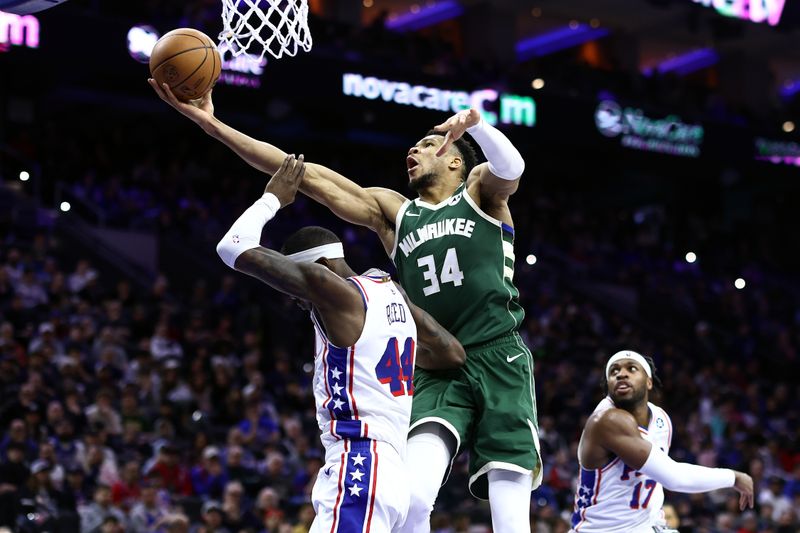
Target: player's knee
[419, 513]
[420, 504]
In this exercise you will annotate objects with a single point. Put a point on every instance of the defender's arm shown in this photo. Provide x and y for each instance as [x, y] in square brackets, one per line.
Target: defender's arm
[437, 348]
[240, 249]
[616, 431]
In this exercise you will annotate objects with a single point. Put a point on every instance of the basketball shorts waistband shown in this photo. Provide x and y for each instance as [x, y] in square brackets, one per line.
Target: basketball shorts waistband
[498, 342]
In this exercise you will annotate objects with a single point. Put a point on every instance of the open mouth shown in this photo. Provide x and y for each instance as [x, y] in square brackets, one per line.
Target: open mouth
[622, 387]
[411, 163]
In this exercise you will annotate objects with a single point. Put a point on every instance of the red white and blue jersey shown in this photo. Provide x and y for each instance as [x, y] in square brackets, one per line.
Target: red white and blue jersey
[616, 498]
[365, 390]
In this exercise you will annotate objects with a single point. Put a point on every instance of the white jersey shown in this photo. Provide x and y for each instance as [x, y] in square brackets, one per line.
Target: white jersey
[616, 498]
[365, 390]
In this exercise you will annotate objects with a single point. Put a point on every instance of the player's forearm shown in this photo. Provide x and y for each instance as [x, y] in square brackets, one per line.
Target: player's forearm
[438, 348]
[504, 159]
[241, 250]
[346, 199]
[258, 154]
[685, 477]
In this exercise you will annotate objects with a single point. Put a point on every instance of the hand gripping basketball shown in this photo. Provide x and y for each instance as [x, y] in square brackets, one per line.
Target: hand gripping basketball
[188, 60]
[200, 110]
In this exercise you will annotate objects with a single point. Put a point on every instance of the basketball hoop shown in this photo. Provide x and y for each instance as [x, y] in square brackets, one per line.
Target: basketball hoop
[279, 26]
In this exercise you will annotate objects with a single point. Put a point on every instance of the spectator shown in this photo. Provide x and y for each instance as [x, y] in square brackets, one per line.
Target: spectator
[149, 511]
[212, 518]
[94, 514]
[126, 491]
[51, 503]
[209, 478]
[83, 275]
[102, 412]
[236, 510]
[168, 471]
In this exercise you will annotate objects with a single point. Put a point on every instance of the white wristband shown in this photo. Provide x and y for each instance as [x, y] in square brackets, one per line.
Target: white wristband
[245, 233]
[685, 477]
[505, 161]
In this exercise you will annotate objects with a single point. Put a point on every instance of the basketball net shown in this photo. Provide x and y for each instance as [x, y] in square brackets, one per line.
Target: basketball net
[279, 26]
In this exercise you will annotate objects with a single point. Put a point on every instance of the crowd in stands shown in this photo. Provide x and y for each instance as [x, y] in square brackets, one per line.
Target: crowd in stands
[185, 405]
[165, 409]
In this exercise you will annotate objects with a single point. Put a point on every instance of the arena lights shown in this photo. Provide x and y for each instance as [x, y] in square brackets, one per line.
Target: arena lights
[568, 36]
[531, 259]
[686, 63]
[668, 135]
[24, 175]
[758, 11]
[19, 30]
[739, 283]
[691, 257]
[65, 206]
[421, 17]
[141, 40]
[537, 84]
[788, 126]
[513, 109]
[790, 88]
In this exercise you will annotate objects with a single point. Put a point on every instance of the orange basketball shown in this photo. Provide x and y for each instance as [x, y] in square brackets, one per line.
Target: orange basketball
[188, 61]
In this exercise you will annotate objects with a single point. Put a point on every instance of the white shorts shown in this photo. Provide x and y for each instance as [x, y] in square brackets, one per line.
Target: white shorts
[363, 488]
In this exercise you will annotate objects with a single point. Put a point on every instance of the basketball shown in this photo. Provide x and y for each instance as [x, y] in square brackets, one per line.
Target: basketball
[188, 61]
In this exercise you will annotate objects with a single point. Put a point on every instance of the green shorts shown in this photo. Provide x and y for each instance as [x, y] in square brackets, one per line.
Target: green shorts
[489, 406]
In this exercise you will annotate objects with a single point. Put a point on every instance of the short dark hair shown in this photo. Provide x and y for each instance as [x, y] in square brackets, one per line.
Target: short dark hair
[466, 150]
[307, 238]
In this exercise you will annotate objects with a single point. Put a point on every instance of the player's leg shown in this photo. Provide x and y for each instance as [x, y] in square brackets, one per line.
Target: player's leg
[441, 419]
[504, 461]
[510, 500]
[354, 491]
[430, 451]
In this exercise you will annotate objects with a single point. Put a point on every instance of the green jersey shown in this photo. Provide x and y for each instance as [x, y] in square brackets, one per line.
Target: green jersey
[457, 263]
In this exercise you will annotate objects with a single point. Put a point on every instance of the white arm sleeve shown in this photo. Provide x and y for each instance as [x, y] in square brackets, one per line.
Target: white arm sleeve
[245, 234]
[504, 160]
[685, 477]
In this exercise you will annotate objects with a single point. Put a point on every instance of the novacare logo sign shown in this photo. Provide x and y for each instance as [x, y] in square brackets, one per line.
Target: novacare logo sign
[769, 11]
[512, 109]
[18, 30]
[666, 135]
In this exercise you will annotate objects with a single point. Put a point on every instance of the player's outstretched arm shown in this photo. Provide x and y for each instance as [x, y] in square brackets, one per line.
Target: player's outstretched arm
[373, 208]
[437, 348]
[240, 249]
[498, 178]
[617, 432]
[260, 155]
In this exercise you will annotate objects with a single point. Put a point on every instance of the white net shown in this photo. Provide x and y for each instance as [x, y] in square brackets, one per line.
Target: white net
[278, 26]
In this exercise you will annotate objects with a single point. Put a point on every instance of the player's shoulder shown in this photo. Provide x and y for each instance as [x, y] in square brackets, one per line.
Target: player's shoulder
[612, 420]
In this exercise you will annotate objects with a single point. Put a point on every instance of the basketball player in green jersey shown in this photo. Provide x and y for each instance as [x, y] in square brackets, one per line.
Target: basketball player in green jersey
[453, 248]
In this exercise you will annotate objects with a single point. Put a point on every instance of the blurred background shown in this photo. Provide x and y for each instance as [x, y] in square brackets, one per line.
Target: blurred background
[145, 387]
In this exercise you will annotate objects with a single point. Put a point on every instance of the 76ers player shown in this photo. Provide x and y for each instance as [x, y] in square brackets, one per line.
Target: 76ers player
[367, 335]
[624, 462]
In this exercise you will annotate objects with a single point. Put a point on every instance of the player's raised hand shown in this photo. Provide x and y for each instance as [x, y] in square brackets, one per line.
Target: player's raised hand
[744, 486]
[286, 180]
[197, 110]
[455, 127]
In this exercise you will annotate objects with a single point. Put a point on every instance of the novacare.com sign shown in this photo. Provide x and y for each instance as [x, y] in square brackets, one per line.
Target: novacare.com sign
[511, 109]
